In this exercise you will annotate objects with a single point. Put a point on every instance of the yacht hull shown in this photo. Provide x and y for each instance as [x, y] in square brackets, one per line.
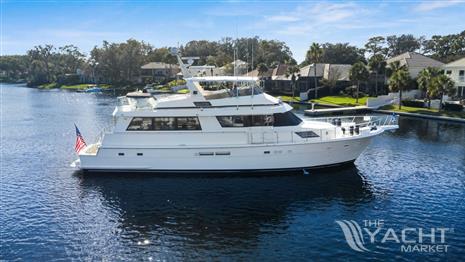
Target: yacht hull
[247, 158]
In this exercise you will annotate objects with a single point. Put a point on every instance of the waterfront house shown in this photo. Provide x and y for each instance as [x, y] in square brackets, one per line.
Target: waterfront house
[330, 79]
[414, 62]
[158, 72]
[456, 71]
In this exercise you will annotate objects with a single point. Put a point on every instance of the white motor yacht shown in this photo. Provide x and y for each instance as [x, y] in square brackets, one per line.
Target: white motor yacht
[224, 124]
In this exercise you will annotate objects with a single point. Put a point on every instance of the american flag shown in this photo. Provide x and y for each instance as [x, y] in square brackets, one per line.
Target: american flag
[80, 143]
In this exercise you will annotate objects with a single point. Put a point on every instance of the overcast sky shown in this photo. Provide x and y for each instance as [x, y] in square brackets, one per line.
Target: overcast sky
[167, 23]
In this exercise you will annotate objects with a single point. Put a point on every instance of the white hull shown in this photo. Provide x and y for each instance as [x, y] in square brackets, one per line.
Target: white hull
[239, 158]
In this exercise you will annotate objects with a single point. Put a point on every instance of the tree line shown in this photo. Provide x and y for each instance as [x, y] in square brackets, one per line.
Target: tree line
[119, 63]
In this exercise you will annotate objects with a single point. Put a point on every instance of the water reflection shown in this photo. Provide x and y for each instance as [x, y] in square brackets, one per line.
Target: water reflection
[431, 131]
[219, 210]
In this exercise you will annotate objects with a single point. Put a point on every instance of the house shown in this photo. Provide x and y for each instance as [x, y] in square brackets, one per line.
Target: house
[456, 71]
[414, 62]
[335, 76]
[158, 72]
[279, 81]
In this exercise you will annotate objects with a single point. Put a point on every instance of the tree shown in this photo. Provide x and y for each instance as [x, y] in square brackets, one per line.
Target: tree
[291, 71]
[399, 79]
[43, 55]
[446, 48]
[315, 54]
[425, 81]
[377, 64]
[262, 69]
[401, 44]
[339, 53]
[358, 72]
[442, 85]
[375, 46]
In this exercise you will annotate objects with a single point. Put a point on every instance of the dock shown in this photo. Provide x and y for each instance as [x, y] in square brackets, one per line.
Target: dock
[337, 110]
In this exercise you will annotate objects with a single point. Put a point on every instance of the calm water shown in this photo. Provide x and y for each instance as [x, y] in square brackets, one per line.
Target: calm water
[414, 177]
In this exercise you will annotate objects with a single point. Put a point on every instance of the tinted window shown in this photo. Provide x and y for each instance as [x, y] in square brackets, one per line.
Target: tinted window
[187, 123]
[286, 119]
[307, 134]
[140, 123]
[164, 123]
[231, 121]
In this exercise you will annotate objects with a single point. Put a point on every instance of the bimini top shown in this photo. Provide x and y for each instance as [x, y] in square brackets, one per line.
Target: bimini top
[223, 79]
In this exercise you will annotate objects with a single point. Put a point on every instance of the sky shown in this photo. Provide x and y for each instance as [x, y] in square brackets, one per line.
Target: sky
[86, 23]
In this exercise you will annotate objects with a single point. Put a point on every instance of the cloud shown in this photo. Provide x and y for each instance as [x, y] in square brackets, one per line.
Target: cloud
[427, 6]
[303, 19]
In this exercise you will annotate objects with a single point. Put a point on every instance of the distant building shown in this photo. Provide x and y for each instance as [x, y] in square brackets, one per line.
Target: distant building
[334, 74]
[456, 71]
[278, 81]
[158, 72]
[414, 62]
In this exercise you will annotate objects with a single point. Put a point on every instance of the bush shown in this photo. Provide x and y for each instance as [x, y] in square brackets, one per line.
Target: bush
[413, 103]
[453, 107]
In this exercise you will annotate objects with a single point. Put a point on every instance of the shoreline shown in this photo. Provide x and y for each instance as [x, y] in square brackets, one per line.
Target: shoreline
[382, 111]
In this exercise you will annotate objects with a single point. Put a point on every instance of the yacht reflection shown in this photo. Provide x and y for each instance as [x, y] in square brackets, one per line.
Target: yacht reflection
[220, 209]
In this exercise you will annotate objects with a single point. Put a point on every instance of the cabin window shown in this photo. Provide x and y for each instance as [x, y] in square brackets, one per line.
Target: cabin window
[281, 119]
[187, 123]
[140, 123]
[286, 119]
[307, 134]
[202, 104]
[245, 121]
[164, 123]
[231, 121]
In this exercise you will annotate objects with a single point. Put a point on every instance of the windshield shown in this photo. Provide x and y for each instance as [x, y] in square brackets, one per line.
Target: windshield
[218, 90]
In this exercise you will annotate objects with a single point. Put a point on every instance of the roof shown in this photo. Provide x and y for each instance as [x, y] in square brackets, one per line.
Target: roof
[223, 79]
[158, 65]
[281, 69]
[255, 73]
[339, 72]
[456, 63]
[310, 71]
[412, 59]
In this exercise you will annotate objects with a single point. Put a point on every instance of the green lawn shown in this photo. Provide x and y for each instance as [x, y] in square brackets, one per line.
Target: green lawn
[289, 98]
[183, 91]
[83, 86]
[341, 100]
[425, 111]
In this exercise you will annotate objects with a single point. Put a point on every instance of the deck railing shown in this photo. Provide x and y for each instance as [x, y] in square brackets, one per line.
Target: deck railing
[361, 121]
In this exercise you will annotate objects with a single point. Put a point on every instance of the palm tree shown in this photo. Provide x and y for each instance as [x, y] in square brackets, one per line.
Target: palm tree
[291, 71]
[399, 79]
[425, 80]
[442, 85]
[315, 54]
[358, 72]
[262, 69]
[378, 66]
